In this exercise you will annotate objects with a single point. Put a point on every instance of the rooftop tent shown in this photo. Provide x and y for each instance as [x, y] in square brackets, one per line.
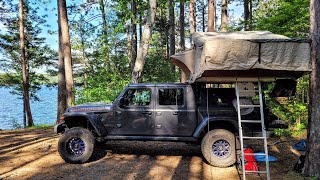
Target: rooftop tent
[259, 54]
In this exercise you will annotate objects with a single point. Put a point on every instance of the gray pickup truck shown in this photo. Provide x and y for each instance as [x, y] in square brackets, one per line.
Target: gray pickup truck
[156, 112]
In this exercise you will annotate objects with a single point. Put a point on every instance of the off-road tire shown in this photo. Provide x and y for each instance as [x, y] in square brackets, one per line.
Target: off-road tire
[81, 135]
[207, 150]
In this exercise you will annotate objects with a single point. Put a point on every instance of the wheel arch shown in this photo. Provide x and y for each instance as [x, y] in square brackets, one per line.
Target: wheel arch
[89, 121]
[216, 123]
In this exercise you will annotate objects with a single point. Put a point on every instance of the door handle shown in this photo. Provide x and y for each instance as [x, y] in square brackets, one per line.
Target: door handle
[175, 113]
[147, 112]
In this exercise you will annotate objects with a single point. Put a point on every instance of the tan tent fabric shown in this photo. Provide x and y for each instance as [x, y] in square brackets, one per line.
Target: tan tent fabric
[185, 60]
[243, 51]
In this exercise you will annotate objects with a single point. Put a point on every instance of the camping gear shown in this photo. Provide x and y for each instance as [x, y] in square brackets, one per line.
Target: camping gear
[250, 162]
[261, 158]
[219, 55]
[300, 145]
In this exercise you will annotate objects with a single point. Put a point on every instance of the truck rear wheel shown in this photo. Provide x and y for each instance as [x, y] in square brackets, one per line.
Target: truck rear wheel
[218, 147]
[76, 145]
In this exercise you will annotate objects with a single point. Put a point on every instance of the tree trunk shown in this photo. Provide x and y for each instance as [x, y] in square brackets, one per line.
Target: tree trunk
[104, 23]
[167, 44]
[25, 79]
[182, 26]
[62, 96]
[84, 58]
[140, 30]
[211, 15]
[246, 15]
[312, 163]
[66, 51]
[129, 41]
[192, 18]
[224, 16]
[250, 15]
[172, 39]
[105, 40]
[134, 45]
[182, 37]
[24, 115]
[203, 18]
[144, 45]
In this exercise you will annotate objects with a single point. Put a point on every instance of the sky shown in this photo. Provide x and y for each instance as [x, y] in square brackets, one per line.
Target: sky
[50, 8]
[52, 39]
[52, 18]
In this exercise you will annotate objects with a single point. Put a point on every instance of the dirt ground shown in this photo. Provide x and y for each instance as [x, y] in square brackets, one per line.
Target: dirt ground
[32, 154]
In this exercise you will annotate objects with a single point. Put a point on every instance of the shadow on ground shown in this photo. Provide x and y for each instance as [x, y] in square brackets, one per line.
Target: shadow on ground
[29, 159]
[128, 160]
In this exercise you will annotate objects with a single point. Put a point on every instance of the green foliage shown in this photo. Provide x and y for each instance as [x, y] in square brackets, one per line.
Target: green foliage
[16, 125]
[298, 129]
[302, 93]
[157, 68]
[102, 84]
[12, 79]
[282, 132]
[289, 18]
[293, 110]
[105, 67]
[41, 126]
[101, 90]
[293, 130]
[286, 17]
[9, 79]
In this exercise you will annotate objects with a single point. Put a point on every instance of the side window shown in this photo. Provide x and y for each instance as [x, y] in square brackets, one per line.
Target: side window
[137, 97]
[171, 96]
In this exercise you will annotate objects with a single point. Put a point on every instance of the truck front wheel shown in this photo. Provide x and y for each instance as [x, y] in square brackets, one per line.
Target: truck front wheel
[218, 147]
[76, 145]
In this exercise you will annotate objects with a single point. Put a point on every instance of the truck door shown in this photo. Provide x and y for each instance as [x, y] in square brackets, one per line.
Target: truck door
[136, 115]
[170, 108]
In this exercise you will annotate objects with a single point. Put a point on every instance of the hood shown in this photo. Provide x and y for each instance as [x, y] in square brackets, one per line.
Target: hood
[90, 107]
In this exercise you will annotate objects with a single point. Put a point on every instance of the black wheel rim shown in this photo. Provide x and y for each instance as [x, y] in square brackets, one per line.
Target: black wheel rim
[221, 148]
[76, 146]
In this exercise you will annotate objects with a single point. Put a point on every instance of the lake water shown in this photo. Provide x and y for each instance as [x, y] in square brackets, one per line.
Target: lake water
[43, 111]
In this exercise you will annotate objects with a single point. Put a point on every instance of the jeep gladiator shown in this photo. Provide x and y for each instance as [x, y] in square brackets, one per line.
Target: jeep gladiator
[156, 112]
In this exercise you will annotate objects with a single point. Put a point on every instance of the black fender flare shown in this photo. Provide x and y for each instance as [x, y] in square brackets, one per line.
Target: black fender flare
[93, 119]
[213, 120]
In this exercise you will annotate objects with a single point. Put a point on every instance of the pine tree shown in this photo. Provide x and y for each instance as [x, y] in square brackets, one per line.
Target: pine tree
[144, 46]
[224, 16]
[66, 50]
[211, 15]
[26, 51]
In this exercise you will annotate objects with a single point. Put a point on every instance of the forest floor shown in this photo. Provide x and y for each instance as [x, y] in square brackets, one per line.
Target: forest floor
[32, 154]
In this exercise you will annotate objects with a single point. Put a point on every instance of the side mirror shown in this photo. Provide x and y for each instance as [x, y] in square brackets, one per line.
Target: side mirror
[121, 102]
